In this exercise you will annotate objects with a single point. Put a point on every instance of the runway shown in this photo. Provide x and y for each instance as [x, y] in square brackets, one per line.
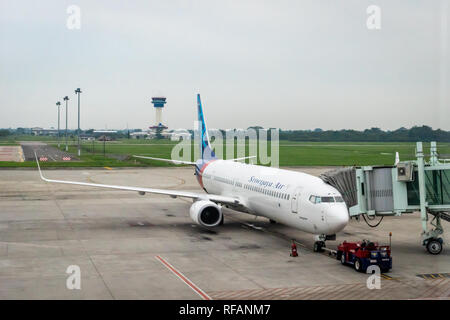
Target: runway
[124, 244]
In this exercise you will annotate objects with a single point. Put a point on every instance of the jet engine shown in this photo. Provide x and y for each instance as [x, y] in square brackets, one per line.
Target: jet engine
[206, 213]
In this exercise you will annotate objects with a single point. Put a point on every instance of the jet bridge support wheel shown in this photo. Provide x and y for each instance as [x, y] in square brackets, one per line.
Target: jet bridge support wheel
[434, 246]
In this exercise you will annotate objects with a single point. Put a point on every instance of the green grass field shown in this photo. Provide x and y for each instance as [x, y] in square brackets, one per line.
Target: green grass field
[300, 153]
[119, 153]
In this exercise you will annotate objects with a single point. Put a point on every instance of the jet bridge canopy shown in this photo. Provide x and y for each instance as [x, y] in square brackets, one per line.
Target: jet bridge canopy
[344, 180]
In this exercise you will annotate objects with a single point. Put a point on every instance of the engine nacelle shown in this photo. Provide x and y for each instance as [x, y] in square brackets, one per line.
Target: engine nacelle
[206, 213]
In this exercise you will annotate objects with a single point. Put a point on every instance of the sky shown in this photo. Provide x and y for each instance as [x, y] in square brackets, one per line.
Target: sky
[286, 64]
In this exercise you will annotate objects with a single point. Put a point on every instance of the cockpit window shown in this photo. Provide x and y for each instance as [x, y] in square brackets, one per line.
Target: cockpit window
[317, 199]
[326, 199]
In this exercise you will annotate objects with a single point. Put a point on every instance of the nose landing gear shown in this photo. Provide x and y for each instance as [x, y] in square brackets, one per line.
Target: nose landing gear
[319, 241]
[318, 246]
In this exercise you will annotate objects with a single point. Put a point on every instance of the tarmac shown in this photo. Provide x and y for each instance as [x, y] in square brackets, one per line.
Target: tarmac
[129, 246]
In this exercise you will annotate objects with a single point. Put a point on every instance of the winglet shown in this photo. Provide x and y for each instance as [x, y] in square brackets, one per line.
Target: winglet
[397, 158]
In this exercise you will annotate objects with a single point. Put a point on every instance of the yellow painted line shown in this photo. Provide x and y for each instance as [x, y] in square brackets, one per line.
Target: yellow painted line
[108, 168]
[386, 277]
[430, 276]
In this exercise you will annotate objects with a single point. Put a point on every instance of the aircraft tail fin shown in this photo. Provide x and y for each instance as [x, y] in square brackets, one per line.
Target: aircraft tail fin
[206, 153]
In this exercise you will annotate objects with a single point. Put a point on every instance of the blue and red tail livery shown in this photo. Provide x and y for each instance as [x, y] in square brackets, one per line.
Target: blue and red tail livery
[206, 153]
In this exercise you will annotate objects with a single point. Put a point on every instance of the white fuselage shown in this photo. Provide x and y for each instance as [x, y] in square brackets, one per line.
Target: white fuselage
[281, 195]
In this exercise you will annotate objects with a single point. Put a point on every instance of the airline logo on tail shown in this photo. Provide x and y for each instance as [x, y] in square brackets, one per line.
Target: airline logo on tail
[206, 153]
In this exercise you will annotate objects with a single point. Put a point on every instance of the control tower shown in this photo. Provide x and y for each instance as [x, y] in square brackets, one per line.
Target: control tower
[158, 104]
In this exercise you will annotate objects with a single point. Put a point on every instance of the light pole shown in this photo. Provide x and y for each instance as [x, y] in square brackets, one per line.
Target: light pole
[58, 104]
[78, 91]
[66, 99]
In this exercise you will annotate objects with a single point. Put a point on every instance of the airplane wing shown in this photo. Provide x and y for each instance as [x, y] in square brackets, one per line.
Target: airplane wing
[187, 162]
[243, 158]
[166, 160]
[172, 193]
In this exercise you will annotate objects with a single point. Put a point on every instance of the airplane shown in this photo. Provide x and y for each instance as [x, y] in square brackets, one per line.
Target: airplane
[295, 199]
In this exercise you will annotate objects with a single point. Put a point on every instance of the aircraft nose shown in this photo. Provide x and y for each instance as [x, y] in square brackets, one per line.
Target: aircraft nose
[337, 218]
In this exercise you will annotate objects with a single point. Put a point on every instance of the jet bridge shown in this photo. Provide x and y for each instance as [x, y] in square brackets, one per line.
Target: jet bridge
[406, 187]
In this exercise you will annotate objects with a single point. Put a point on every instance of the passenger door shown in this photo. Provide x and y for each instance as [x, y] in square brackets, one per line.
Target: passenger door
[295, 201]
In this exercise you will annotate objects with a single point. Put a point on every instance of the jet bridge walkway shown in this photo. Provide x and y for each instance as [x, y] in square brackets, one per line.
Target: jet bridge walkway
[406, 187]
